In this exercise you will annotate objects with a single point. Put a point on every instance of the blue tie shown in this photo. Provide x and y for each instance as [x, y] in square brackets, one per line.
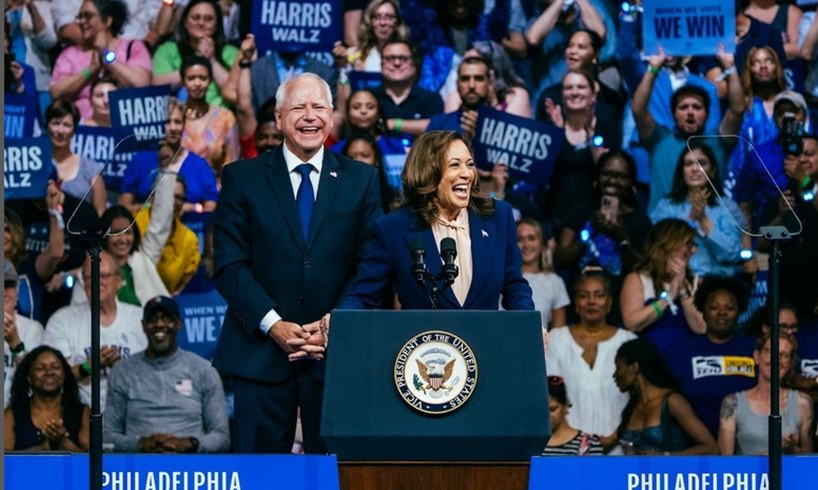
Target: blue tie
[305, 199]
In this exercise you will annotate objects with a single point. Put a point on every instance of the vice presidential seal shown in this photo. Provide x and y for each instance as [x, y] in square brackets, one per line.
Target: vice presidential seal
[435, 372]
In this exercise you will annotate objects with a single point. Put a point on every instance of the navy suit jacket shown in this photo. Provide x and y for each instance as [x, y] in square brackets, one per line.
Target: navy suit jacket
[262, 261]
[388, 261]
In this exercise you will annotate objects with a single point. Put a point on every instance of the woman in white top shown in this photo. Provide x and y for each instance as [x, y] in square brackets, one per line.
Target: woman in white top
[548, 289]
[584, 353]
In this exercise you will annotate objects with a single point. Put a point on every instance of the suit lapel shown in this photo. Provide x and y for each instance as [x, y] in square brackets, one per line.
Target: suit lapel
[328, 185]
[483, 239]
[282, 187]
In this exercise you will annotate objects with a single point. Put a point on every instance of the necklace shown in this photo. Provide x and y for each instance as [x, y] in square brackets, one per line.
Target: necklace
[191, 113]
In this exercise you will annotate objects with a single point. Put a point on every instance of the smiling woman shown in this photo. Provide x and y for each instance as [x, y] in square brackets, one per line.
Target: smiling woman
[441, 202]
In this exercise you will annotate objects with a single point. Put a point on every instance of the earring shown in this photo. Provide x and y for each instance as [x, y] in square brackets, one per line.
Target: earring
[30, 392]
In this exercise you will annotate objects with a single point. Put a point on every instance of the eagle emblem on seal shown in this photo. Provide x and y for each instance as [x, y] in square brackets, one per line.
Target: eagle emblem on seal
[436, 376]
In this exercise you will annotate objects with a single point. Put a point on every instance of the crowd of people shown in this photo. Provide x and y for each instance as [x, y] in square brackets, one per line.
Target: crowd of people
[312, 186]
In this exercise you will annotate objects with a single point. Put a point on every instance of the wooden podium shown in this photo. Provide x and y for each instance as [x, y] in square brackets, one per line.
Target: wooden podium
[411, 475]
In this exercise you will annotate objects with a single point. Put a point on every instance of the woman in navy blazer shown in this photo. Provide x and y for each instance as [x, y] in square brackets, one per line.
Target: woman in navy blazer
[441, 201]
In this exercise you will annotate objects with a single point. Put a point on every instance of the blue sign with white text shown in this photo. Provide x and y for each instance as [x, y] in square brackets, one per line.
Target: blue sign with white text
[695, 27]
[529, 148]
[27, 167]
[100, 145]
[290, 26]
[668, 472]
[365, 80]
[139, 115]
[202, 316]
[19, 114]
[180, 472]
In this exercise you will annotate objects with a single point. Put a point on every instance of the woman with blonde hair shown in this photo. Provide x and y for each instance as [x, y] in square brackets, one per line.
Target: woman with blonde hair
[547, 288]
[657, 297]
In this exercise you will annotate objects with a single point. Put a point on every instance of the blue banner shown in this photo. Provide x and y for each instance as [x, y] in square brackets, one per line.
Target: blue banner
[202, 315]
[696, 27]
[169, 472]
[139, 115]
[527, 147]
[298, 25]
[27, 167]
[668, 473]
[197, 222]
[364, 80]
[99, 144]
[19, 114]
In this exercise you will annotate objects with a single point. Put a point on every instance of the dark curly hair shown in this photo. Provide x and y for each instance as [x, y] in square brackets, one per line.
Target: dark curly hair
[678, 193]
[20, 402]
[711, 284]
[116, 10]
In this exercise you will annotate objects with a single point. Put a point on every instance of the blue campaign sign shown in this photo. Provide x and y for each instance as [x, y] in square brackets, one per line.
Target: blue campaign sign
[100, 145]
[138, 116]
[365, 80]
[19, 114]
[202, 315]
[197, 222]
[27, 167]
[668, 472]
[298, 25]
[695, 27]
[527, 147]
[181, 472]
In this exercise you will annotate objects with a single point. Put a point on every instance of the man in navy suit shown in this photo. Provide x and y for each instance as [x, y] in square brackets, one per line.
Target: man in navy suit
[287, 233]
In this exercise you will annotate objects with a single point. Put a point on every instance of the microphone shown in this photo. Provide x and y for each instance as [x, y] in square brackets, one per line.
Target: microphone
[419, 271]
[448, 251]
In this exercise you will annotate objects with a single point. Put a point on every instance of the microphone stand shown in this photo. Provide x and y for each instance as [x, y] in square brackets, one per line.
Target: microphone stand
[94, 236]
[775, 235]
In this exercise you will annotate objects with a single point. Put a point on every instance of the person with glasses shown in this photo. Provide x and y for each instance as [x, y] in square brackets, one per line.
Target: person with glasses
[657, 419]
[709, 367]
[610, 230]
[20, 334]
[121, 335]
[743, 424]
[566, 440]
[381, 20]
[657, 297]
[100, 51]
[583, 353]
[697, 197]
[402, 102]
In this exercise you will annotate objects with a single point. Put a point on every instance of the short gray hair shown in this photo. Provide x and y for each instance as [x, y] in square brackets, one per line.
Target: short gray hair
[285, 87]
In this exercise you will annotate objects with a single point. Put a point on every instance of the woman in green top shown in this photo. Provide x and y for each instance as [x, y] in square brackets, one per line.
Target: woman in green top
[200, 32]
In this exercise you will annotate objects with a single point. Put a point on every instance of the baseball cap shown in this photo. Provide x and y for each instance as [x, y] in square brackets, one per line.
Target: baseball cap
[9, 273]
[163, 304]
[793, 97]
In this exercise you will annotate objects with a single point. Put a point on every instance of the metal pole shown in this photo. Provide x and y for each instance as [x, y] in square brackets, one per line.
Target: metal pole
[95, 453]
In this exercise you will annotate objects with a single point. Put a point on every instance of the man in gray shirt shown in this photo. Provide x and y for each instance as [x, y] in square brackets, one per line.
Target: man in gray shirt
[165, 400]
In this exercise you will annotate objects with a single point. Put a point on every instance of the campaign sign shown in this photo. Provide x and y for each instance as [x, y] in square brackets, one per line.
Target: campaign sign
[527, 147]
[57, 471]
[297, 25]
[27, 167]
[19, 114]
[668, 472]
[100, 145]
[138, 116]
[695, 27]
[365, 80]
[202, 315]
[197, 222]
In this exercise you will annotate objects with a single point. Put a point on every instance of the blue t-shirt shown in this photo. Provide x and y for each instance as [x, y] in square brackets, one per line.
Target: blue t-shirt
[199, 178]
[707, 372]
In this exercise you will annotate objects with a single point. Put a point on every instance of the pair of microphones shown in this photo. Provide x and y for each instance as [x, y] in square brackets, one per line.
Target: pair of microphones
[448, 272]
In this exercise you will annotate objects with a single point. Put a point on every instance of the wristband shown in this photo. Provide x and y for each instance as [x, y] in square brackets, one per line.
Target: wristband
[624, 243]
[245, 63]
[57, 215]
[21, 347]
[85, 369]
[398, 125]
[653, 69]
[805, 182]
[86, 73]
[726, 73]
[657, 308]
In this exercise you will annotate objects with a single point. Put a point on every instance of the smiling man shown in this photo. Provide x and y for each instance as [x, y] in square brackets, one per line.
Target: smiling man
[165, 400]
[287, 233]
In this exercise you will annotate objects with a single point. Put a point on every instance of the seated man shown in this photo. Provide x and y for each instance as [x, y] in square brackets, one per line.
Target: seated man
[165, 400]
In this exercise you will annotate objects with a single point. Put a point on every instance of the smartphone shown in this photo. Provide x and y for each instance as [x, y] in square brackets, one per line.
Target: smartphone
[610, 207]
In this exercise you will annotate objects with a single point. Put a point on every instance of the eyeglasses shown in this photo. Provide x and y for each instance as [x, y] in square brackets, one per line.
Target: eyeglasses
[203, 18]
[85, 16]
[788, 326]
[555, 381]
[392, 58]
[388, 18]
